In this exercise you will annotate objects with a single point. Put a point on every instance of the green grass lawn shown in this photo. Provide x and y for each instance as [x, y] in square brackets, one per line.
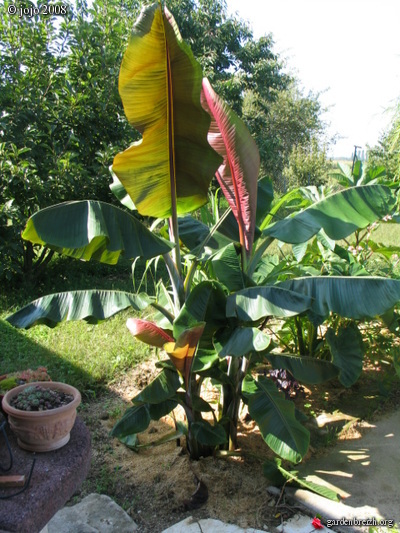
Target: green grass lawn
[388, 234]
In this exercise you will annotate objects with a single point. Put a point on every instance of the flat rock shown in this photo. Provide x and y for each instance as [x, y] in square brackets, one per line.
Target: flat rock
[209, 525]
[96, 513]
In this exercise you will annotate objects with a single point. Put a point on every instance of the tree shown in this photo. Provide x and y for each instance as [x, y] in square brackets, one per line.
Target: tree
[387, 151]
[307, 165]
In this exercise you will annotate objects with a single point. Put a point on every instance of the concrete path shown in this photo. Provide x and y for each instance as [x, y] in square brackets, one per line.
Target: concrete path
[365, 471]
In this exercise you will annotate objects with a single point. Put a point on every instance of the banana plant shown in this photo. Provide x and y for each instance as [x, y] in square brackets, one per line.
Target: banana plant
[209, 322]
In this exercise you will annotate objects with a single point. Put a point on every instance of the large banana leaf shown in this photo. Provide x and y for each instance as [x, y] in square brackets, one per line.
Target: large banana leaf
[160, 85]
[238, 173]
[306, 369]
[350, 297]
[276, 419]
[92, 306]
[258, 302]
[339, 215]
[93, 230]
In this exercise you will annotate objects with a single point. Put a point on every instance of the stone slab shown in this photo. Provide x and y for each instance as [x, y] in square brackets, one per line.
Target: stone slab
[209, 525]
[97, 513]
[57, 475]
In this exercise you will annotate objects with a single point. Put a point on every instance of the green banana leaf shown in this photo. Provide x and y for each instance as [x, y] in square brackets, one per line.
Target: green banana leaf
[305, 369]
[275, 472]
[206, 302]
[192, 233]
[254, 303]
[93, 230]
[226, 268]
[339, 214]
[119, 192]
[171, 167]
[207, 434]
[347, 350]
[137, 419]
[265, 197]
[92, 306]
[240, 341]
[276, 419]
[350, 297]
[132, 441]
[162, 388]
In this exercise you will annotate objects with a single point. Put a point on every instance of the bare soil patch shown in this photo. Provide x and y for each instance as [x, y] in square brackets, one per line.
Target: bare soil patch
[155, 486]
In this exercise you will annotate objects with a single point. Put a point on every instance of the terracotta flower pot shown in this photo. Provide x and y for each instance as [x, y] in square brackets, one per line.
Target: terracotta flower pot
[42, 431]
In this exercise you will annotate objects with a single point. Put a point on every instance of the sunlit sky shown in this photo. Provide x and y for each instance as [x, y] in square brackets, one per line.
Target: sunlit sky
[347, 50]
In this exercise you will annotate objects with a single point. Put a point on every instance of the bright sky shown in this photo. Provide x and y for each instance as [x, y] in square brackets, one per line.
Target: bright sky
[347, 49]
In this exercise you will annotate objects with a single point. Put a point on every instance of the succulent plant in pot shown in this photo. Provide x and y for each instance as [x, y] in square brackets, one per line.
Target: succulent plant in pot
[38, 398]
[42, 414]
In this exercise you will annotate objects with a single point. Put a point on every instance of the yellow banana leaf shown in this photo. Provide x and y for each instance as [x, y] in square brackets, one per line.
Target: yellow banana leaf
[169, 170]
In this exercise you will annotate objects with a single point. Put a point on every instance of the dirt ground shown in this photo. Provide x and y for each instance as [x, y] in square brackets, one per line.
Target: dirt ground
[155, 486]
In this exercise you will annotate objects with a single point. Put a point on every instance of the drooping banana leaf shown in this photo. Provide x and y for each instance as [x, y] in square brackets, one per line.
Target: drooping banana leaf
[278, 475]
[339, 214]
[137, 418]
[306, 369]
[258, 302]
[92, 306]
[238, 173]
[276, 419]
[160, 85]
[93, 230]
[350, 297]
